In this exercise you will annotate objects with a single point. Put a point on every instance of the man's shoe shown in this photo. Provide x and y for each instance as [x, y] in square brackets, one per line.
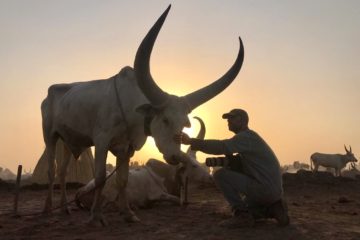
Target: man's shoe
[279, 211]
[240, 220]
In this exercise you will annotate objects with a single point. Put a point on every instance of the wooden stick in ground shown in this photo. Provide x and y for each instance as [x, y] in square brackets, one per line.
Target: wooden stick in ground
[17, 189]
[186, 189]
[184, 192]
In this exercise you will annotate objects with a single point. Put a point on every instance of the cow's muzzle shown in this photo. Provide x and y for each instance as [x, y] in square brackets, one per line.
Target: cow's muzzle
[172, 160]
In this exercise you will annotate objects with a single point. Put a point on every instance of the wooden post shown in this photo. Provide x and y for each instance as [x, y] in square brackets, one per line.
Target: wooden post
[186, 202]
[17, 189]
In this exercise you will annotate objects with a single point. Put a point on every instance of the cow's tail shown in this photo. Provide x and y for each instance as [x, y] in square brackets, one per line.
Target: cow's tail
[311, 163]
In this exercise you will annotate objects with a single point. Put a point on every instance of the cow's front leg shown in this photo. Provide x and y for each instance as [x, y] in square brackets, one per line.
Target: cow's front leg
[97, 217]
[122, 173]
[49, 155]
[337, 172]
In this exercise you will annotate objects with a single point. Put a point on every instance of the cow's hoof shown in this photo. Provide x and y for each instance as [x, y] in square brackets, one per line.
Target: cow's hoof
[66, 210]
[97, 222]
[131, 219]
[184, 204]
[47, 211]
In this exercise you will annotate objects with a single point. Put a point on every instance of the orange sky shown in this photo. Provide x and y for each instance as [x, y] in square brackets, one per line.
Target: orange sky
[299, 83]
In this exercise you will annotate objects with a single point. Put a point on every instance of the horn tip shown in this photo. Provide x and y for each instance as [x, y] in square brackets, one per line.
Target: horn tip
[241, 42]
[168, 8]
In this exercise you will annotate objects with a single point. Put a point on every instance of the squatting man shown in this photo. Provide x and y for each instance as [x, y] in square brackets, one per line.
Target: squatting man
[250, 177]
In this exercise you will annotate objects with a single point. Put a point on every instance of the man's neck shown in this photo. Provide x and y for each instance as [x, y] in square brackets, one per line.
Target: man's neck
[241, 130]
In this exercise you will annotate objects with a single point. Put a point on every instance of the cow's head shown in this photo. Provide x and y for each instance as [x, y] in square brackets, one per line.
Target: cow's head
[349, 155]
[169, 112]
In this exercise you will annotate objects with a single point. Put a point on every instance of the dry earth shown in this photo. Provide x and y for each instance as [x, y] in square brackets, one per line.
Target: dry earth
[320, 207]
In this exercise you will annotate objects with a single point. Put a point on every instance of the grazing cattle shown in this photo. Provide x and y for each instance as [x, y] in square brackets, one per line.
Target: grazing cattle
[117, 115]
[336, 161]
[156, 181]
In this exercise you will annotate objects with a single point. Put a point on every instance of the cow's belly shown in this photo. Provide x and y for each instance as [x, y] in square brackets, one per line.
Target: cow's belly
[75, 138]
[328, 164]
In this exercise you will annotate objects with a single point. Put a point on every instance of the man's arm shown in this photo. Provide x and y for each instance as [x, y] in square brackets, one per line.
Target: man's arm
[228, 146]
[215, 147]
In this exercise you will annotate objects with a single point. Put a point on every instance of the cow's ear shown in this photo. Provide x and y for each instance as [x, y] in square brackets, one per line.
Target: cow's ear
[146, 110]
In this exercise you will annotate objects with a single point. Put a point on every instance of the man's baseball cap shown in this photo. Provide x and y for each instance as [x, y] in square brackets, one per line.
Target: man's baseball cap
[236, 112]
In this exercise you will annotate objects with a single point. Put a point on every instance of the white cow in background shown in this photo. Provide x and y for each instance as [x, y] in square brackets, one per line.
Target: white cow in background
[117, 114]
[156, 181]
[336, 161]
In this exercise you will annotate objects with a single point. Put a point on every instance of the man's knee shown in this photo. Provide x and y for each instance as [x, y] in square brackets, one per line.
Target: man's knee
[219, 174]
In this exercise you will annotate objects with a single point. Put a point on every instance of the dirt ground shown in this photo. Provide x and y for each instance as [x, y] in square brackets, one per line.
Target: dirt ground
[320, 207]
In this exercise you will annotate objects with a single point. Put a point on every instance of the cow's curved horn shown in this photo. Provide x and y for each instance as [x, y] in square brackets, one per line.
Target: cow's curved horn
[352, 164]
[202, 131]
[201, 135]
[142, 65]
[346, 148]
[204, 94]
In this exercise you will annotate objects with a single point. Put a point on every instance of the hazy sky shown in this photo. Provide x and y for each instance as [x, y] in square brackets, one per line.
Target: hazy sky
[300, 81]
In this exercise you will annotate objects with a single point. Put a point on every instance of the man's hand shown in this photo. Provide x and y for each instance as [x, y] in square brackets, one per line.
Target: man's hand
[182, 138]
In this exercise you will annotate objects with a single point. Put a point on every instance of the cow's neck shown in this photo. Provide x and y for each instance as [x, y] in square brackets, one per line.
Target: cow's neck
[344, 159]
[147, 124]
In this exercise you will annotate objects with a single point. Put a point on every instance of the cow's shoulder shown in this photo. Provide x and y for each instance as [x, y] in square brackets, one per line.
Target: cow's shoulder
[60, 89]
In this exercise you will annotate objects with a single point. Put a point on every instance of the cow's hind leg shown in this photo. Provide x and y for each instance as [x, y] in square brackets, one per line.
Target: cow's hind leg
[62, 149]
[122, 173]
[316, 167]
[50, 157]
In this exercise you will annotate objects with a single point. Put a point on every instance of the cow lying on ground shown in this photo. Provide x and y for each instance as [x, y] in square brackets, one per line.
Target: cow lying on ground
[117, 115]
[353, 172]
[144, 187]
[156, 181]
[336, 161]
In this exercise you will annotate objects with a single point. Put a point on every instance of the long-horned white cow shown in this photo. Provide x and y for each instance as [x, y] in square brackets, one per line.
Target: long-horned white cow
[336, 161]
[154, 182]
[117, 114]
